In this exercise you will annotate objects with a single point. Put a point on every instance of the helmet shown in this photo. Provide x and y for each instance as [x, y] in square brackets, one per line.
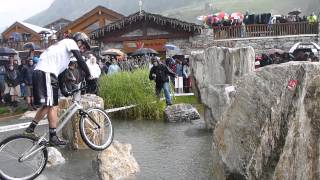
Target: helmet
[80, 36]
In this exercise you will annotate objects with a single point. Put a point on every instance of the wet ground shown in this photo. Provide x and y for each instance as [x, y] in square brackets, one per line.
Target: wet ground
[163, 151]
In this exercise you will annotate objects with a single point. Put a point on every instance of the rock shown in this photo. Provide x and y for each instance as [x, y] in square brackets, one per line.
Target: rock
[271, 128]
[116, 162]
[215, 70]
[71, 130]
[54, 157]
[181, 113]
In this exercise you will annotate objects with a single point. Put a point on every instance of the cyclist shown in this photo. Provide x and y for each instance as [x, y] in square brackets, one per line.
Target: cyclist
[53, 61]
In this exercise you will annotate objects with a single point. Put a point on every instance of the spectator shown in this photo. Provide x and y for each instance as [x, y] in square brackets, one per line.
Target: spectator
[2, 82]
[12, 79]
[160, 73]
[113, 68]
[313, 57]
[179, 79]
[27, 71]
[95, 74]
[186, 77]
[22, 84]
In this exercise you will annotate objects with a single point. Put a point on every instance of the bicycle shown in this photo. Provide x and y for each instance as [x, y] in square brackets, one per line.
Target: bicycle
[24, 156]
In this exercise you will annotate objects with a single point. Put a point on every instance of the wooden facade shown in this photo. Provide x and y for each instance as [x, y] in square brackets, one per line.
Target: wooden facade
[144, 30]
[94, 19]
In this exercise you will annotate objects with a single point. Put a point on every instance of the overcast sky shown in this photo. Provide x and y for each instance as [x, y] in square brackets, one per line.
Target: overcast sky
[19, 10]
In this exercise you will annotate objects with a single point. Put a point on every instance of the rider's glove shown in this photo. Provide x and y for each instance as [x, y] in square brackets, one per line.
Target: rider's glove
[66, 93]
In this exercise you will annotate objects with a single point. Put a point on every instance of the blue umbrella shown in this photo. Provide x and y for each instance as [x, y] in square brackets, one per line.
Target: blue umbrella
[171, 47]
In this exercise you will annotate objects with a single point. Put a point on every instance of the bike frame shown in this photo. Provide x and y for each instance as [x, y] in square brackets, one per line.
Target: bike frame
[63, 119]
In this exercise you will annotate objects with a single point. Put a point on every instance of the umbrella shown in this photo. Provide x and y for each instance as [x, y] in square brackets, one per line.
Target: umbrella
[144, 51]
[222, 15]
[171, 47]
[112, 52]
[295, 12]
[313, 47]
[5, 51]
[31, 45]
[273, 51]
[236, 16]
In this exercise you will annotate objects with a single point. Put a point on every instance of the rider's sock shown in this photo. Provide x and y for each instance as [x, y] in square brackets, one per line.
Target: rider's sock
[31, 127]
[52, 132]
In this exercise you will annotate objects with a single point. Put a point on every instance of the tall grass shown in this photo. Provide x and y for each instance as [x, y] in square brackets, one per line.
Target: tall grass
[131, 88]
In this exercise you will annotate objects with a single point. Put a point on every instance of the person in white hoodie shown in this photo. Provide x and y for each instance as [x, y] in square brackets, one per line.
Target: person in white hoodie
[95, 72]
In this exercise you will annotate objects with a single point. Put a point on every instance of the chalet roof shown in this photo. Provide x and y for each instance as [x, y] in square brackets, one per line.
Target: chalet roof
[91, 12]
[34, 28]
[145, 16]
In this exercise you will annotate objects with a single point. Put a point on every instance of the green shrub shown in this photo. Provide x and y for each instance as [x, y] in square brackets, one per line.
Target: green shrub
[131, 88]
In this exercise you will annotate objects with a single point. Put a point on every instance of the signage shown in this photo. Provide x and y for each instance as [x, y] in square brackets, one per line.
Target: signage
[156, 44]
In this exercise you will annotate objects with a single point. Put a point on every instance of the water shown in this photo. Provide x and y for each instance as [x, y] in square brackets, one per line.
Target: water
[163, 150]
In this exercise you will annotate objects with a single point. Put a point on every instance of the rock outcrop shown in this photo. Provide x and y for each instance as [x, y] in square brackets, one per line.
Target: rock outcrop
[116, 162]
[271, 128]
[71, 130]
[215, 70]
[54, 157]
[181, 113]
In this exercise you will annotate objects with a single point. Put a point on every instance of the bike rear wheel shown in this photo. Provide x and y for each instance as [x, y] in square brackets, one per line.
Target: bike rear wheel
[11, 149]
[96, 129]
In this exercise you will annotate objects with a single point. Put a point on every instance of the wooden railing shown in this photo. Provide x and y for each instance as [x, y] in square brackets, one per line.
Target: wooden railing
[264, 30]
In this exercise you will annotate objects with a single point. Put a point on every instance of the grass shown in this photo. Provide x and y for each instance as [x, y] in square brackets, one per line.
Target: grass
[135, 88]
[131, 88]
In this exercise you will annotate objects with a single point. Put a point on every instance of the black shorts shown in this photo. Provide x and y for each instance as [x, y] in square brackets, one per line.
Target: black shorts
[45, 88]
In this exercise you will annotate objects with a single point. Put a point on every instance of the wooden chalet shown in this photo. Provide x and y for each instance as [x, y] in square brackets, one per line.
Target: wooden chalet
[58, 24]
[20, 33]
[144, 30]
[92, 20]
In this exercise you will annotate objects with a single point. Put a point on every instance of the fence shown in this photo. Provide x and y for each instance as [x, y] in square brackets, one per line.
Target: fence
[264, 30]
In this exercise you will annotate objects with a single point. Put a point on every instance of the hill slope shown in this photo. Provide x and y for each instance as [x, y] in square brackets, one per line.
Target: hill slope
[183, 9]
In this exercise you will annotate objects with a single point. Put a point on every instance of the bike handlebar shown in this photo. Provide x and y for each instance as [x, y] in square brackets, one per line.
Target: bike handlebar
[79, 89]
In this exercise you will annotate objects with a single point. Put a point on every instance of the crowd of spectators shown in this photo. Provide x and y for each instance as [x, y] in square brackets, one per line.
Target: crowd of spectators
[278, 58]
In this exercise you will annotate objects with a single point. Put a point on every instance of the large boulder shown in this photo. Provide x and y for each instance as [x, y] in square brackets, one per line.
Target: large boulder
[271, 129]
[71, 130]
[215, 70]
[181, 113]
[116, 162]
[54, 157]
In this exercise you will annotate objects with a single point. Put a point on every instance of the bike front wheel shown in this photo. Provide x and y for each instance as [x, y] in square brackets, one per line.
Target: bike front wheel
[96, 129]
[12, 149]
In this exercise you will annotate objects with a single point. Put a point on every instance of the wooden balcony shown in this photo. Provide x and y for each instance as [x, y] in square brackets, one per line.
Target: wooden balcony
[265, 30]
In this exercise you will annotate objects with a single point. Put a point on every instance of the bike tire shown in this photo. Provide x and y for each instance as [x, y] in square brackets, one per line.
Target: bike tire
[11, 168]
[89, 131]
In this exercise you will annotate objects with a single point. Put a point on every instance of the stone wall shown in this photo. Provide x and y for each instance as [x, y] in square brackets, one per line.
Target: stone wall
[215, 70]
[259, 44]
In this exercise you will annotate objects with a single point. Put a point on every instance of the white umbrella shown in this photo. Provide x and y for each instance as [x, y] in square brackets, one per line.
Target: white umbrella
[300, 45]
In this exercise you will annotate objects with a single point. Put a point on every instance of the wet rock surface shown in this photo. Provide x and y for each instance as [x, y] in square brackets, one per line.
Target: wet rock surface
[271, 129]
[181, 113]
[215, 71]
[54, 157]
[116, 162]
